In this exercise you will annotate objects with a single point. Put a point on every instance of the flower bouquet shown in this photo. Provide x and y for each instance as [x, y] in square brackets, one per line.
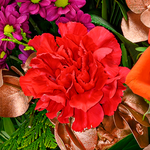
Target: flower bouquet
[74, 75]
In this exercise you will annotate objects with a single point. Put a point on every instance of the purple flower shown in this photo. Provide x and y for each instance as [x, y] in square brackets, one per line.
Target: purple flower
[62, 7]
[34, 7]
[3, 56]
[4, 3]
[11, 22]
[85, 19]
[25, 54]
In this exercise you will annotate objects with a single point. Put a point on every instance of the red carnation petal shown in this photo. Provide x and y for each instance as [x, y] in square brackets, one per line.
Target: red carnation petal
[53, 108]
[35, 42]
[48, 44]
[66, 112]
[92, 118]
[99, 37]
[86, 100]
[57, 96]
[101, 53]
[40, 105]
[72, 28]
[111, 104]
[95, 116]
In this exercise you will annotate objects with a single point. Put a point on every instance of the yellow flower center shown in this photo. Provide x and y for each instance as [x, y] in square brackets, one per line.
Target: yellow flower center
[61, 3]
[2, 54]
[35, 1]
[8, 29]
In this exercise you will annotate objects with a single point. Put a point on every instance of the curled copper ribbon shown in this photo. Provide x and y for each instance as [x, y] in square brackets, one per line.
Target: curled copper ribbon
[128, 118]
[13, 102]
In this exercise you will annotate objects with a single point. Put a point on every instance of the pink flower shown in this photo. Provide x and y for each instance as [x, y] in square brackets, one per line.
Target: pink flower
[4, 3]
[62, 7]
[3, 56]
[11, 22]
[34, 7]
[25, 54]
[85, 19]
[76, 74]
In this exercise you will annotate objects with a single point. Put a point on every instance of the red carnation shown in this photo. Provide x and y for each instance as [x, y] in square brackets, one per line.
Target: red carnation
[77, 75]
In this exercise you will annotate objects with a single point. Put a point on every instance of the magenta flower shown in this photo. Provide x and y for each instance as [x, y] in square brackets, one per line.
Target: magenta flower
[62, 7]
[85, 19]
[25, 54]
[34, 7]
[3, 56]
[4, 3]
[12, 22]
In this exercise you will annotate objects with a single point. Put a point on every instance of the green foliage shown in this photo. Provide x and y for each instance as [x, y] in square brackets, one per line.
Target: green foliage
[34, 133]
[128, 143]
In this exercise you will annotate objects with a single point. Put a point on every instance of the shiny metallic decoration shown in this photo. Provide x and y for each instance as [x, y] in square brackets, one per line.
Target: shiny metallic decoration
[26, 66]
[133, 29]
[128, 118]
[13, 102]
[136, 27]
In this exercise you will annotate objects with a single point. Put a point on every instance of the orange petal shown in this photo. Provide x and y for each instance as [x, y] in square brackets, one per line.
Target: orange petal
[138, 78]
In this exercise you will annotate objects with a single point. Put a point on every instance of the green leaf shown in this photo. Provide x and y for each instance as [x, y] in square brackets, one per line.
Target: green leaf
[8, 126]
[129, 45]
[124, 12]
[124, 56]
[127, 143]
[113, 11]
[141, 49]
[1, 124]
[6, 135]
[18, 123]
[1, 141]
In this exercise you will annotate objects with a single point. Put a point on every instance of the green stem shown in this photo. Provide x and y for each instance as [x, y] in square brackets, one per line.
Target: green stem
[35, 26]
[15, 58]
[104, 9]
[97, 3]
[31, 120]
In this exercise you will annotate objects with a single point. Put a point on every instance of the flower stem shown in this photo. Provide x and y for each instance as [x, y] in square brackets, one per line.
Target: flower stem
[35, 26]
[15, 58]
[97, 3]
[104, 9]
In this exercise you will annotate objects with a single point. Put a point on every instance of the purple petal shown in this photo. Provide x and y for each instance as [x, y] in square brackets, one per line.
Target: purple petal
[63, 10]
[45, 2]
[10, 45]
[22, 57]
[32, 6]
[24, 7]
[79, 3]
[12, 20]
[22, 19]
[17, 36]
[52, 14]
[72, 12]
[2, 17]
[2, 36]
[22, 0]
[62, 19]
[42, 13]
[36, 10]
[85, 18]
[25, 27]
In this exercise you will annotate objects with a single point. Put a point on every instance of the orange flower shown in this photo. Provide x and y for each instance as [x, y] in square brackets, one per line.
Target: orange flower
[138, 78]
